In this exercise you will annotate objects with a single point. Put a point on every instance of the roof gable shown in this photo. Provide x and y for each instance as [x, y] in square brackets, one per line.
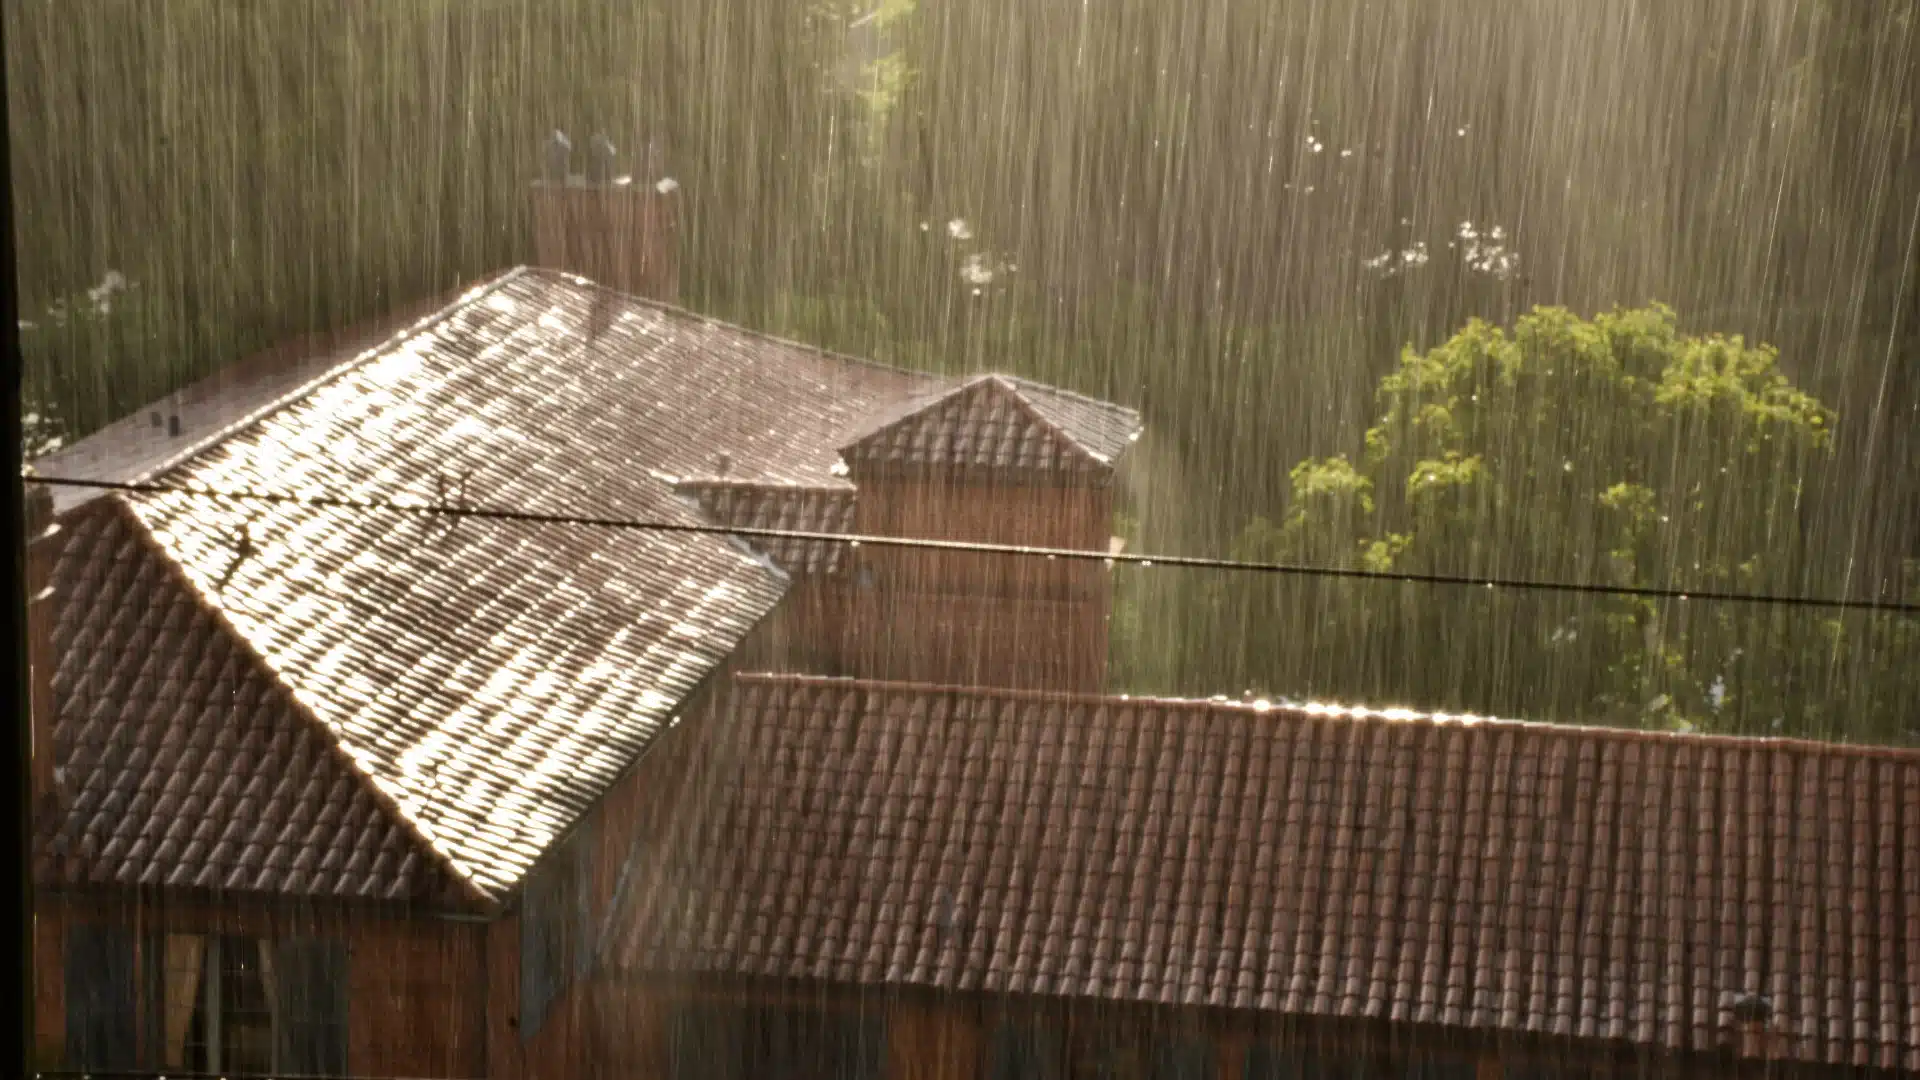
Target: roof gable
[1102, 429]
[996, 422]
[1338, 863]
[182, 763]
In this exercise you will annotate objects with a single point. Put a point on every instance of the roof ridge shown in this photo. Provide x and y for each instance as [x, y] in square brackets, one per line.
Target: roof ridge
[344, 367]
[1013, 385]
[171, 567]
[791, 486]
[714, 320]
[969, 383]
[1067, 392]
[944, 387]
[1325, 709]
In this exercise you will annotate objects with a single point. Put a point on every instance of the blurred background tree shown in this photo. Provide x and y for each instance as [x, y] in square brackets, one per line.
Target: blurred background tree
[1231, 214]
[1618, 451]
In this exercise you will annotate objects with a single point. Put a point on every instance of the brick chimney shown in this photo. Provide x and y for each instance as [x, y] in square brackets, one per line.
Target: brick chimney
[616, 228]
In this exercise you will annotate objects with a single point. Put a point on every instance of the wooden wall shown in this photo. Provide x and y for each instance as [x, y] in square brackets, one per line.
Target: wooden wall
[49, 990]
[947, 1036]
[988, 619]
[932, 1039]
[417, 984]
[418, 1005]
[562, 1048]
[628, 1033]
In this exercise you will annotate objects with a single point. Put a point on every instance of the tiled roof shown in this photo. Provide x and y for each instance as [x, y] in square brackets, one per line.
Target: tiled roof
[490, 678]
[172, 428]
[1101, 428]
[185, 764]
[1510, 877]
[996, 421]
[750, 505]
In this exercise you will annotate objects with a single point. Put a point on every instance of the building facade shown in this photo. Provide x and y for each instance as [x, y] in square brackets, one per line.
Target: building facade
[371, 757]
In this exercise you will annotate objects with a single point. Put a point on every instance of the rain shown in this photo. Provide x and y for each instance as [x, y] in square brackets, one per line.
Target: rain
[1021, 539]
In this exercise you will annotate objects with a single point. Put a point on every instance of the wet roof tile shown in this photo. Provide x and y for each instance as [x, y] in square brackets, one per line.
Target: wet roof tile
[487, 679]
[185, 761]
[995, 422]
[753, 505]
[174, 427]
[1342, 863]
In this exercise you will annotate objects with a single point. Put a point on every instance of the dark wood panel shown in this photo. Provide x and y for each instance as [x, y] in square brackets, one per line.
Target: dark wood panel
[49, 985]
[417, 1000]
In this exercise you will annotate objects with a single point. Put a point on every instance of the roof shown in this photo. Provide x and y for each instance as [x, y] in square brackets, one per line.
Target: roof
[191, 767]
[170, 429]
[489, 679]
[996, 421]
[1519, 878]
[751, 505]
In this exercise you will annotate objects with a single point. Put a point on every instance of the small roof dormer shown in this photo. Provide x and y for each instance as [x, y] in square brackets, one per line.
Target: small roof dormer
[996, 422]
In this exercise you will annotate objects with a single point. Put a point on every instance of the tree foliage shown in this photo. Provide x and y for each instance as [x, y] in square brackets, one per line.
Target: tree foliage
[1619, 450]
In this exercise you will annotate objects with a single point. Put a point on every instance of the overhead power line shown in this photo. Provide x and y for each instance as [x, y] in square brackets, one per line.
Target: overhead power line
[1192, 562]
[184, 1074]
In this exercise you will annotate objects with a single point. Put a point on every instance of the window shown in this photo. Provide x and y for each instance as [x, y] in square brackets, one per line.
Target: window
[755, 1042]
[242, 1004]
[101, 1025]
[218, 1007]
[205, 1003]
[1023, 1050]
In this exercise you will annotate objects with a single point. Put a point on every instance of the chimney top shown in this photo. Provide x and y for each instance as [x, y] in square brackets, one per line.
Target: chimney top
[602, 225]
[558, 156]
[600, 155]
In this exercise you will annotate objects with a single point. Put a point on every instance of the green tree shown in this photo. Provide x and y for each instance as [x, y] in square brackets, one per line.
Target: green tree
[1618, 450]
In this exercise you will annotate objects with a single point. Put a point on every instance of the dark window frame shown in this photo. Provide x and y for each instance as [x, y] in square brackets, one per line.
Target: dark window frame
[102, 997]
[116, 998]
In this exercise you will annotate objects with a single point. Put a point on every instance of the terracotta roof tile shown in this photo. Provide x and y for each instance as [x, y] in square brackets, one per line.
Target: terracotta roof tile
[487, 678]
[995, 421]
[159, 789]
[174, 427]
[752, 505]
[1501, 876]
